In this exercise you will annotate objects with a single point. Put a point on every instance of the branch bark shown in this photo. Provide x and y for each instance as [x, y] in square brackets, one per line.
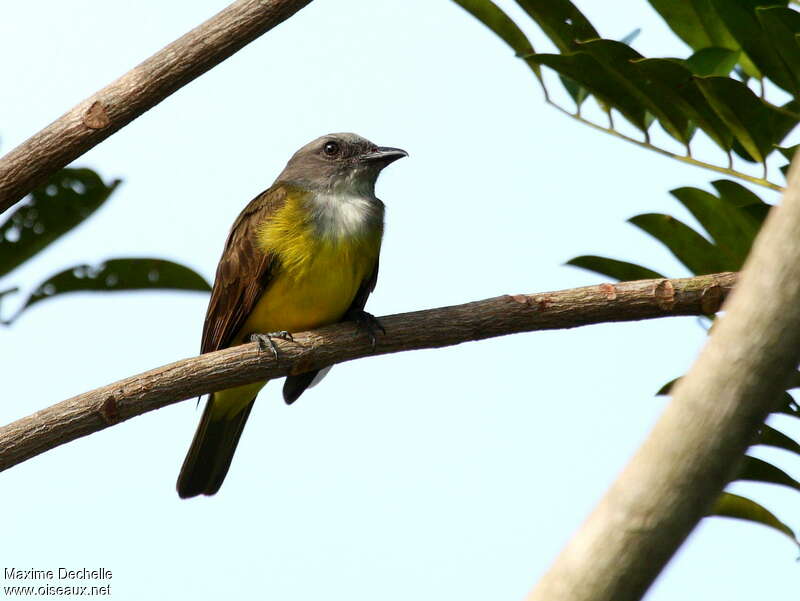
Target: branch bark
[693, 450]
[139, 90]
[106, 406]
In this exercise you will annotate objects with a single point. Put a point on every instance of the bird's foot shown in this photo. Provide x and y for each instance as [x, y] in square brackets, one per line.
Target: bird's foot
[265, 341]
[369, 323]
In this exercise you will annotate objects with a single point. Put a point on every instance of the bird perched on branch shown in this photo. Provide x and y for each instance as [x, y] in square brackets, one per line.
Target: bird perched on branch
[301, 255]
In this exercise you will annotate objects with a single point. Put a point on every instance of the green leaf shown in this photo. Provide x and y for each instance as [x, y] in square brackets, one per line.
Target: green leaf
[695, 22]
[740, 19]
[676, 85]
[771, 437]
[618, 270]
[780, 122]
[564, 24]
[754, 469]
[617, 58]
[732, 229]
[117, 275]
[781, 25]
[578, 93]
[588, 72]
[561, 21]
[741, 508]
[493, 17]
[690, 248]
[713, 61]
[742, 111]
[52, 209]
[783, 119]
[737, 195]
[666, 389]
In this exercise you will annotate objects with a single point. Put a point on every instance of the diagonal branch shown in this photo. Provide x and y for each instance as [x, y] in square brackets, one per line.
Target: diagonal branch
[139, 90]
[103, 407]
[715, 414]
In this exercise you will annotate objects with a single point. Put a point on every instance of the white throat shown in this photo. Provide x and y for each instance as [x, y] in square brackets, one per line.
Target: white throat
[344, 214]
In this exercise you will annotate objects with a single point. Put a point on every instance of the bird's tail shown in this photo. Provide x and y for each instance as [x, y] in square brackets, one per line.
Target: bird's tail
[215, 441]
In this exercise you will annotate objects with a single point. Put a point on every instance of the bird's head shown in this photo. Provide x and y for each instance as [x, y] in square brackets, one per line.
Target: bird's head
[343, 162]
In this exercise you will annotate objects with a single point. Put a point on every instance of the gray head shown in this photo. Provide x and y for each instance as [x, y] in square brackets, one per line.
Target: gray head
[342, 162]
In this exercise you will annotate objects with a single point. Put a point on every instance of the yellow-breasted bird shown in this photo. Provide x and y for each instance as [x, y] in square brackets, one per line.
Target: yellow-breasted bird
[301, 255]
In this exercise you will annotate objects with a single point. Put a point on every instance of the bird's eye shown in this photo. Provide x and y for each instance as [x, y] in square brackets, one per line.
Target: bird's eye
[331, 148]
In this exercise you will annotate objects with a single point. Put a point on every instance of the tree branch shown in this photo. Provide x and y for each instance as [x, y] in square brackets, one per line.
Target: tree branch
[693, 450]
[139, 90]
[103, 407]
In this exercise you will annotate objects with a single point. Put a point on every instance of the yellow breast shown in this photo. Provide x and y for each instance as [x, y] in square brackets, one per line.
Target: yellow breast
[316, 278]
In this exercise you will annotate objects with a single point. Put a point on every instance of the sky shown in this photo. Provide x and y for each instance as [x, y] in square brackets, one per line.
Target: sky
[455, 473]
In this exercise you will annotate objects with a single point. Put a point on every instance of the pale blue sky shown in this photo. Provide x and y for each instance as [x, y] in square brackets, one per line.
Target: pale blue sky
[447, 474]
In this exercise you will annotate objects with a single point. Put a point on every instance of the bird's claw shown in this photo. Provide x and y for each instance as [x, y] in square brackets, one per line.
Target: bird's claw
[265, 341]
[370, 324]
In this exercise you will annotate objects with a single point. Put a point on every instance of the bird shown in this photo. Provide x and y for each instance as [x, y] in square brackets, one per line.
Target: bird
[301, 255]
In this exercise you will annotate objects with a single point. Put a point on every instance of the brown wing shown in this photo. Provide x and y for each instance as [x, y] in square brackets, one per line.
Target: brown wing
[243, 273]
[360, 299]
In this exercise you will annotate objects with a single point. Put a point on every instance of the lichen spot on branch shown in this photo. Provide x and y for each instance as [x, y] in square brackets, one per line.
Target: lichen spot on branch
[664, 293]
[609, 290]
[96, 116]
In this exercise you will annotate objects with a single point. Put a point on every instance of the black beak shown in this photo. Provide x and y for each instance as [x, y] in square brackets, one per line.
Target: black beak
[384, 155]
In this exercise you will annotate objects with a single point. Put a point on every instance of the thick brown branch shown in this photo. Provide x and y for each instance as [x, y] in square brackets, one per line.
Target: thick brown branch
[97, 409]
[139, 90]
[698, 442]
